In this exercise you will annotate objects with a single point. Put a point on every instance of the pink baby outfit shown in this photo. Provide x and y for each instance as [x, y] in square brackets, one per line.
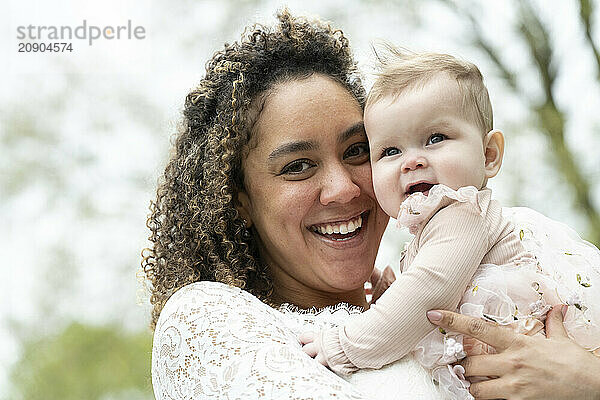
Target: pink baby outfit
[468, 254]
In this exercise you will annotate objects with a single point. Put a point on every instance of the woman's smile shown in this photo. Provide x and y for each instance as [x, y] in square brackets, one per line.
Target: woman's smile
[341, 230]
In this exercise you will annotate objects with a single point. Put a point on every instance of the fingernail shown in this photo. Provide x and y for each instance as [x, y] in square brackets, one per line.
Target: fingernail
[563, 309]
[434, 316]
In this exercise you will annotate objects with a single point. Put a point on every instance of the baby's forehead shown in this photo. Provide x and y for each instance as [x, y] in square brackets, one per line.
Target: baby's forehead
[391, 93]
[425, 102]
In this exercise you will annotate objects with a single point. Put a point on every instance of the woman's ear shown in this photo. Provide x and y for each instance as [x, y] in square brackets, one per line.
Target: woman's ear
[494, 152]
[244, 207]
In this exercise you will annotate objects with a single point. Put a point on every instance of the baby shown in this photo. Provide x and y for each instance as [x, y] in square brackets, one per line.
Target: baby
[433, 148]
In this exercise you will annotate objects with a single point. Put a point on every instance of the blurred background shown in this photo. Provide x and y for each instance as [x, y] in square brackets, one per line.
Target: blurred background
[85, 135]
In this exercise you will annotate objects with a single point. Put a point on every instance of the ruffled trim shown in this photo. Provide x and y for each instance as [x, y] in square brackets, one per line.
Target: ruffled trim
[452, 382]
[418, 208]
[345, 308]
[320, 318]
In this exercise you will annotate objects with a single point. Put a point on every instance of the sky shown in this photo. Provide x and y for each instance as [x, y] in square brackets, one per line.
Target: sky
[86, 134]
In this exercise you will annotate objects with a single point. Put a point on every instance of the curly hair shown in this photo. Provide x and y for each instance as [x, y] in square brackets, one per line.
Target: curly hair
[196, 231]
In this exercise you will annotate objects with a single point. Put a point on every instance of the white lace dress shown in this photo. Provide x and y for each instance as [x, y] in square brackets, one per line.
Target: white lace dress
[213, 341]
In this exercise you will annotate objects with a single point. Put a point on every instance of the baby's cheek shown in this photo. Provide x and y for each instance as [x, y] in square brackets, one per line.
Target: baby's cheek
[387, 193]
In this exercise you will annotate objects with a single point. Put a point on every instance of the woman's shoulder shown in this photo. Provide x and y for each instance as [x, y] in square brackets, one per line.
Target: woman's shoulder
[199, 290]
[212, 301]
[203, 298]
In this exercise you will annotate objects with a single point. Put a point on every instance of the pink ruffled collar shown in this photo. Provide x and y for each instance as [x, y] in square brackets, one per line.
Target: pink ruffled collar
[417, 207]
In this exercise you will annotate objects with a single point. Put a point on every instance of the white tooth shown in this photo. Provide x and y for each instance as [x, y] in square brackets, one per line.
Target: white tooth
[351, 227]
[343, 229]
[360, 221]
[323, 230]
[336, 229]
[329, 229]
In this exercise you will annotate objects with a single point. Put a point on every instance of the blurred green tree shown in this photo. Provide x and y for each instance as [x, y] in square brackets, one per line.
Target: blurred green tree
[84, 362]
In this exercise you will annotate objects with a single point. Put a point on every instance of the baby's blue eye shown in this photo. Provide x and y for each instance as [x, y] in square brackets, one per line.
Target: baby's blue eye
[436, 138]
[390, 151]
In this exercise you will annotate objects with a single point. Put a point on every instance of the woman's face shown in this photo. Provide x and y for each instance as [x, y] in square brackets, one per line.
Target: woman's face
[307, 175]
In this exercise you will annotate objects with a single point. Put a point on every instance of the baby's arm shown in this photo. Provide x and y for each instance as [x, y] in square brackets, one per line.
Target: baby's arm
[452, 246]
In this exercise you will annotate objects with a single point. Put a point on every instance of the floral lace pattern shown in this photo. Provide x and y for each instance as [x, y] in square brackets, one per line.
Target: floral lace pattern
[213, 341]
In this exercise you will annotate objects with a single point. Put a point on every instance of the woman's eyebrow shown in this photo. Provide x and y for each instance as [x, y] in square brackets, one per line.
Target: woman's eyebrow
[305, 145]
[292, 147]
[356, 129]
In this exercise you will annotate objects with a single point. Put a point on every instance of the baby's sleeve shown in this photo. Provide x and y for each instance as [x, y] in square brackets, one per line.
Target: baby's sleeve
[451, 247]
[213, 341]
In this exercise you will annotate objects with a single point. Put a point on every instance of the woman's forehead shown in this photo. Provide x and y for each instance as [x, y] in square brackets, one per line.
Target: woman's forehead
[313, 108]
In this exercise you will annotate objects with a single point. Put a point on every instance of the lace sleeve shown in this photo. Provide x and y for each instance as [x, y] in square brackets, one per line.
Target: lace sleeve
[213, 341]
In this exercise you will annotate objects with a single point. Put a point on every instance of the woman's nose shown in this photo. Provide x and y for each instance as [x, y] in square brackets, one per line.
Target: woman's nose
[338, 187]
[412, 162]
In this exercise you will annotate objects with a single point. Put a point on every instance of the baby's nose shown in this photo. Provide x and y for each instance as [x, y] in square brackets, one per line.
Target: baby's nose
[413, 162]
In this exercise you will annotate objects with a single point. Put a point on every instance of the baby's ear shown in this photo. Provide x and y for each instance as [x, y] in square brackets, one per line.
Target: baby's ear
[493, 148]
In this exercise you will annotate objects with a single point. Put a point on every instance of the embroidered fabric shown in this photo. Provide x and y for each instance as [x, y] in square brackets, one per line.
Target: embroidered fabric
[213, 341]
[570, 271]
[560, 268]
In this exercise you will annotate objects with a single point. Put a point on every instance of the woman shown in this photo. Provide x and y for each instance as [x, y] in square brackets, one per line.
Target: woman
[269, 190]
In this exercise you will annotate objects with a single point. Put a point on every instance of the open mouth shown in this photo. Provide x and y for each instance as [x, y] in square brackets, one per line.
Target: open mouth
[341, 231]
[422, 187]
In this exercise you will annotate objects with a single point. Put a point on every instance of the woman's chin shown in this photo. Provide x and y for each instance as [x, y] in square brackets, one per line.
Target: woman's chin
[350, 279]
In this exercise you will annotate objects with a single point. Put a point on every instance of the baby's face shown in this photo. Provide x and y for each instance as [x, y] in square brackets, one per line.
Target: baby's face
[422, 138]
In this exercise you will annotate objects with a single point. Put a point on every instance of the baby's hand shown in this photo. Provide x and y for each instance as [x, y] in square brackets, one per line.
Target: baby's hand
[311, 345]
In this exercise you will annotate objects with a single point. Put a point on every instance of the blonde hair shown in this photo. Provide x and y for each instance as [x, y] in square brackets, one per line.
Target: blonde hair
[400, 69]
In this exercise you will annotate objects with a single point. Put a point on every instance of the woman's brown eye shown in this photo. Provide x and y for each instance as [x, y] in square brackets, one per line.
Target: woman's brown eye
[356, 150]
[297, 167]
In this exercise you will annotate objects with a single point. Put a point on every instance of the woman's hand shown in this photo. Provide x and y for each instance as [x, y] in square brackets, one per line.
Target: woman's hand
[526, 367]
